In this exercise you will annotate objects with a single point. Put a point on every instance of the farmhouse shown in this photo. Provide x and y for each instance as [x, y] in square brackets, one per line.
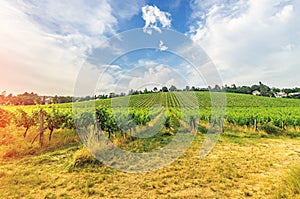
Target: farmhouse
[281, 94]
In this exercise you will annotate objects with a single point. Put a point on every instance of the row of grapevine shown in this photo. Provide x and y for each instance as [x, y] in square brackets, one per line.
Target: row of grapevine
[49, 118]
[281, 117]
[187, 107]
[172, 100]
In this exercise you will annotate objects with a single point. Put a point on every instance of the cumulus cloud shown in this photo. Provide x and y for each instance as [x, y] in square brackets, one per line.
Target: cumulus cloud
[78, 24]
[44, 43]
[250, 40]
[154, 17]
[148, 74]
[156, 74]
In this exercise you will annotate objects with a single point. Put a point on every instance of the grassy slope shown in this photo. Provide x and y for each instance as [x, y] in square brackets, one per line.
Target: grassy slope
[238, 167]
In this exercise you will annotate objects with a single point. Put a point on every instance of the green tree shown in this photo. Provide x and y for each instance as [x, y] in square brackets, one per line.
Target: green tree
[164, 89]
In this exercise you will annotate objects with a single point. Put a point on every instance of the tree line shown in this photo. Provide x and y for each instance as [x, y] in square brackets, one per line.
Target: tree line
[261, 88]
[33, 98]
[27, 98]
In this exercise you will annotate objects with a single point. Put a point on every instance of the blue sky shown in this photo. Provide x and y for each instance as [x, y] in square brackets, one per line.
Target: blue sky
[45, 44]
[180, 11]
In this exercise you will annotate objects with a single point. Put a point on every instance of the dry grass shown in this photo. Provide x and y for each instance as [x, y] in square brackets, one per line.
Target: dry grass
[291, 186]
[14, 145]
[236, 168]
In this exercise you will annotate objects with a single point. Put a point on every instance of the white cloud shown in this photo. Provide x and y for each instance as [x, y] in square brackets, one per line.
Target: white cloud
[44, 43]
[148, 74]
[250, 40]
[158, 74]
[80, 23]
[162, 46]
[153, 17]
[285, 14]
[115, 67]
[126, 10]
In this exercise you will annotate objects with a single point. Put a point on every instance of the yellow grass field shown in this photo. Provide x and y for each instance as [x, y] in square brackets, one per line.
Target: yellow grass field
[240, 166]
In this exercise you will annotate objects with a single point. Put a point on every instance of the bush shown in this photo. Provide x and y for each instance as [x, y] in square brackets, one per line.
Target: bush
[271, 129]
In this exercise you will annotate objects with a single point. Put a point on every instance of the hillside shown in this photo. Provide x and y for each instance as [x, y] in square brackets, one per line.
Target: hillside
[255, 156]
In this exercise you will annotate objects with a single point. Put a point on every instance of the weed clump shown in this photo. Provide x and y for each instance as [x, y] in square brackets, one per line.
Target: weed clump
[83, 158]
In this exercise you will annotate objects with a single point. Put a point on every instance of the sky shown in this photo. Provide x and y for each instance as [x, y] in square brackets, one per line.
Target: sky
[64, 47]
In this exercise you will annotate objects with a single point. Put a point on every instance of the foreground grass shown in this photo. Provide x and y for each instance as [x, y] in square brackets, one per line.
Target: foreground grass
[291, 185]
[13, 145]
[238, 167]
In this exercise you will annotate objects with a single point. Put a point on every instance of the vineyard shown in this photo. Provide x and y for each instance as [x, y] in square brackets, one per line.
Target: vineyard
[146, 119]
[43, 154]
[124, 115]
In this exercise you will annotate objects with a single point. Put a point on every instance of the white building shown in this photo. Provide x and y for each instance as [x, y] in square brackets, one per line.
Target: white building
[281, 94]
[48, 100]
[294, 94]
[256, 92]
